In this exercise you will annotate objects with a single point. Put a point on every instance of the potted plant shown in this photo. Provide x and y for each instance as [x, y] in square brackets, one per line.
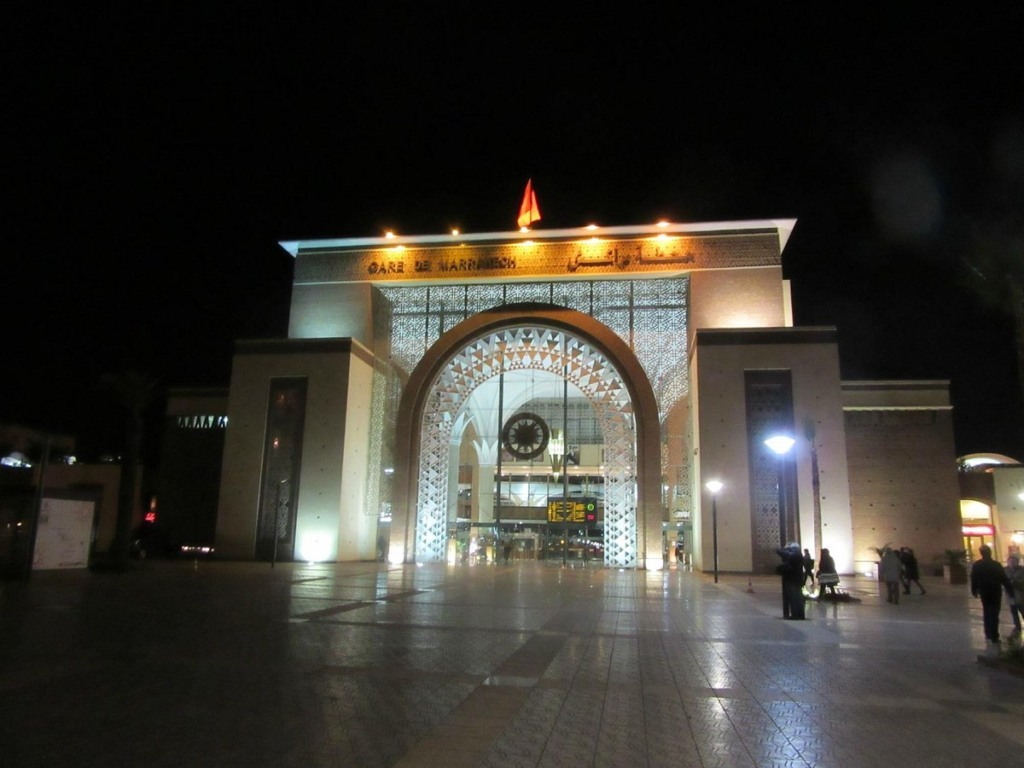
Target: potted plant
[954, 565]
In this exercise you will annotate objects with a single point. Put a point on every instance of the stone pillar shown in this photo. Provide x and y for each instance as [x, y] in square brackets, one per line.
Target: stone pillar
[482, 498]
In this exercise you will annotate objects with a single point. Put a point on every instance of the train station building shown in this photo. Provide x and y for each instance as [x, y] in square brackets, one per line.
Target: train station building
[595, 394]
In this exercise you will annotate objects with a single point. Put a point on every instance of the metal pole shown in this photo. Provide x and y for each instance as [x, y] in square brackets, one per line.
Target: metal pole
[565, 447]
[501, 426]
[816, 486]
[277, 513]
[565, 522]
[783, 504]
[714, 532]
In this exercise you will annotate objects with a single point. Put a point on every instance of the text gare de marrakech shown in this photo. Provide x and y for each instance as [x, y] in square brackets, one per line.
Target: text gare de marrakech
[398, 267]
[620, 258]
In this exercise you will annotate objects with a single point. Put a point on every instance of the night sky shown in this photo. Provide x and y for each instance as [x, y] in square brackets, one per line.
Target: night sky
[156, 156]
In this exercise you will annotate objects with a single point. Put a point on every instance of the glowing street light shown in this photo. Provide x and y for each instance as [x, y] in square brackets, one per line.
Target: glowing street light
[780, 444]
[714, 486]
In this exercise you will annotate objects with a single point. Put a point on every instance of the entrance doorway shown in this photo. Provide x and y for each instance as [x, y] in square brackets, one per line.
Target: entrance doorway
[482, 413]
[531, 458]
[572, 347]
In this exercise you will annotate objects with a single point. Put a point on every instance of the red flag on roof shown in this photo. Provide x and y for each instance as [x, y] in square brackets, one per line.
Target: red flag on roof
[529, 211]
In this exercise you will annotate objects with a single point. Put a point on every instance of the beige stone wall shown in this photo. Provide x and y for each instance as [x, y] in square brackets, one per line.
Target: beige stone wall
[356, 530]
[903, 482]
[337, 310]
[720, 424]
[332, 489]
[754, 297]
[676, 453]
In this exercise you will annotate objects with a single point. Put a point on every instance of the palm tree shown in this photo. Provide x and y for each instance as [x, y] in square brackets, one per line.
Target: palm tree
[993, 268]
[135, 392]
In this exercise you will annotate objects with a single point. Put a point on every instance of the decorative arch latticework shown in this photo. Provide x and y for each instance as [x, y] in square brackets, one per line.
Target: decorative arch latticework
[531, 348]
[643, 313]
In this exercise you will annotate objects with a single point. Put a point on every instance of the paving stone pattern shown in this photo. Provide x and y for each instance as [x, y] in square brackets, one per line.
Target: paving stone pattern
[527, 664]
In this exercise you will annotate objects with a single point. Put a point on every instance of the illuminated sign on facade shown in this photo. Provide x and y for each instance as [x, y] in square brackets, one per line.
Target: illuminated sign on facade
[582, 510]
[580, 256]
[202, 422]
[979, 530]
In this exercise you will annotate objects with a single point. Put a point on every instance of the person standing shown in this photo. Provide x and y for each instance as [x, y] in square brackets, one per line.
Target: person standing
[988, 582]
[1015, 573]
[890, 569]
[827, 574]
[791, 569]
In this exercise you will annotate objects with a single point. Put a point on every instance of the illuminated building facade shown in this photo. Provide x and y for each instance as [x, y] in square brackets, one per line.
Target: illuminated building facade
[437, 395]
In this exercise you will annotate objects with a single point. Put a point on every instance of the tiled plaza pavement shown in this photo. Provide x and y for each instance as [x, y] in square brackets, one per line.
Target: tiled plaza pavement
[240, 664]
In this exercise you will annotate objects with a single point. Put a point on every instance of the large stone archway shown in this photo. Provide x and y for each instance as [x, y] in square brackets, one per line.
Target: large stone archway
[542, 337]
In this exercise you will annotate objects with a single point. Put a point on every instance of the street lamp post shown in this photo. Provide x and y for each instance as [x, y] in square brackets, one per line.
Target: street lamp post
[556, 447]
[816, 488]
[781, 446]
[811, 434]
[714, 486]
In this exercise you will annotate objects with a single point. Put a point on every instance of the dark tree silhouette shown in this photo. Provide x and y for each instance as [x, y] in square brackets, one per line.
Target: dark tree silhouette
[993, 267]
[135, 392]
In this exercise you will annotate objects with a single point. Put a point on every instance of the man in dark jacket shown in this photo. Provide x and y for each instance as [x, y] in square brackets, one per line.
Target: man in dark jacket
[791, 569]
[988, 582]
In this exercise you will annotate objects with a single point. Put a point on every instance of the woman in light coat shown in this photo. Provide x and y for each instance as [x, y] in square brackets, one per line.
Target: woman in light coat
[889, 570]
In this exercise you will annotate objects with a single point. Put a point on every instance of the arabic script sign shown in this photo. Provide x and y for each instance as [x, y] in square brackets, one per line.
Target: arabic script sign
[519, 259]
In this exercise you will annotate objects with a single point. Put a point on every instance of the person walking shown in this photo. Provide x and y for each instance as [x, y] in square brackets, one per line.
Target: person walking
[1015, 573]
[808, 568]
[889, 570]
[911, 571]
[828, 577]
[988, 582]
[901, 553]
[791, 569]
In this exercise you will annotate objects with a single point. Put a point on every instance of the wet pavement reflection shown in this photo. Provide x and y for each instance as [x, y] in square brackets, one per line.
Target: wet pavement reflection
[521, 664]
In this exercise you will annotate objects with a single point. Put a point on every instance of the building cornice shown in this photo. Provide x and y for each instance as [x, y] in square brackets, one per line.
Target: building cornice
[783, 227]
[303, 346]
[716, 337]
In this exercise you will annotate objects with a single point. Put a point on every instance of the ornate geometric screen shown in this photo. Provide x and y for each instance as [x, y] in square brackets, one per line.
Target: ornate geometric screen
[649, 315]
[286, 415]
[769, 400]
[643, 313]
[542, 349]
